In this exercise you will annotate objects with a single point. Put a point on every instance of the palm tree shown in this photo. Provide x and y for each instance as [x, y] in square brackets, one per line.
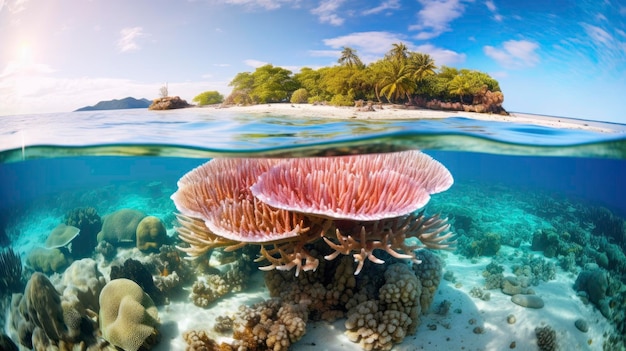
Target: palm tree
[398, 51]
[396, 80]
[421, 65]
[349, 58]
[460, 86]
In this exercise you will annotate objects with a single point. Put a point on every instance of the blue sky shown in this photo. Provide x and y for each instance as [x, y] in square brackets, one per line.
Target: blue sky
[560, 57]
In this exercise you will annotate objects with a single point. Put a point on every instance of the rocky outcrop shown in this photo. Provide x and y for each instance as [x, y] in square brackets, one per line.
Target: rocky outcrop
[484, 102]
[168, 103]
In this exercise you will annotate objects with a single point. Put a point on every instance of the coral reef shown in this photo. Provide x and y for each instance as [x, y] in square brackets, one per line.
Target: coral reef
[107, 250]
[10, 272]
[120, 227]
[82, 280]
[128, 316]
[44, 320]
[530, 301]
[269, 325]
[532, 270]
[89, 222]
[382, 305]
[546, 338]
[138, 273]
[259, 201]
[46, 260]
[486, 245]
[150, 234]
[208, 289]
[62, 236]
[494, 276]
[172, 272]
[198, 340]
[223, 324]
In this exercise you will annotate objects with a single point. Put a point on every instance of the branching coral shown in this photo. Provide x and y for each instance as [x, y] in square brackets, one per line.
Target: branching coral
[358, 203]
[208, 289]
[269, 325]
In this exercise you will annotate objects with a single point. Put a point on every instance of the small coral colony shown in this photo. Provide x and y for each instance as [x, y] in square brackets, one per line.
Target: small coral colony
[311, 223]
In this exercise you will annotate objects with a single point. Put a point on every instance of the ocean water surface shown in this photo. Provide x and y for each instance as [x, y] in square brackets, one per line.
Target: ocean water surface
[536, 211]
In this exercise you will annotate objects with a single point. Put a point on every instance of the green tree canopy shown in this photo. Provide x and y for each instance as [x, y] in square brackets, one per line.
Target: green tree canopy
[208, 98]
[401, 76]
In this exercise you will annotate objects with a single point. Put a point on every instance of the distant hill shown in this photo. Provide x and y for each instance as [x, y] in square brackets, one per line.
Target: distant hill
[115, 104]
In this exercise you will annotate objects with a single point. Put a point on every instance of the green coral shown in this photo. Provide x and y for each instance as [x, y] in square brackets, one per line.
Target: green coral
[47, 260]
[120, 226]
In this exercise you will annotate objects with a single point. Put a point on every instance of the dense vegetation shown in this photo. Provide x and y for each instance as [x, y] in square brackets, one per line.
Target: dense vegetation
[208, 98]
[401, 76]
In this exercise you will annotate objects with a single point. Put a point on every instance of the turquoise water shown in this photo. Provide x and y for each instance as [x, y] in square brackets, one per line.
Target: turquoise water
[518, 190]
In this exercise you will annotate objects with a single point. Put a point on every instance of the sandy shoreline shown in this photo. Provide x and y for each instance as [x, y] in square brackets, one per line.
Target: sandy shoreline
[397, 112]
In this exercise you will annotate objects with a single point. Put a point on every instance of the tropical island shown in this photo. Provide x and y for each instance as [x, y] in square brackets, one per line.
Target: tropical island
[401, 77]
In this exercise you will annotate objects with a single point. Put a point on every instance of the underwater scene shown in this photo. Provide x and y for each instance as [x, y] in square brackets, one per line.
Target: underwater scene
[207, 230]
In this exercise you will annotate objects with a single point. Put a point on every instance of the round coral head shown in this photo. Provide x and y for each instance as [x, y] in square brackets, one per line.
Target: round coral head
[358, 187]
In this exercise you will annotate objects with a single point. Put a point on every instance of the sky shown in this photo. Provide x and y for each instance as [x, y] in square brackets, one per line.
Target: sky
[559, 57]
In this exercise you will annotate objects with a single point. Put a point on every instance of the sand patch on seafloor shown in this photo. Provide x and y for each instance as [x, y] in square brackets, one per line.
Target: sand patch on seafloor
[398, 113]
[452, 331]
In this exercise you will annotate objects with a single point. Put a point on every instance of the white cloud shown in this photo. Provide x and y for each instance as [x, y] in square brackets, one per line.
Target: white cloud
[367, 42]
[221, 64]
[14, 6]
[440, 55]
[46, 94]
[385, 5]
[128, 39]
[435, 16]
[372, 46]
[494, 10]
[327, 12]
[18, 69]
[266, 4]
[597, 34]
[255, 63]
[514, 53]
[490, 5]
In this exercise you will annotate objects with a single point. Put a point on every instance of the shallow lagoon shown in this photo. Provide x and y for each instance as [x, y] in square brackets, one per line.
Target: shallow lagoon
[513, 183]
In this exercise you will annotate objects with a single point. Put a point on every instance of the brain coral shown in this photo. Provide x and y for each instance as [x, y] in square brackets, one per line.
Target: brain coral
[128, 317]
[120, 226]
[150, 233]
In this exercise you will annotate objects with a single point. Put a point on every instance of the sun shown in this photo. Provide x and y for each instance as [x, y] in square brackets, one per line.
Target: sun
[25, 53]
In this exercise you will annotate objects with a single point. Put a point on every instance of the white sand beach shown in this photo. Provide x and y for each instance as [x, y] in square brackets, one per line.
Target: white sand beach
[401, 112]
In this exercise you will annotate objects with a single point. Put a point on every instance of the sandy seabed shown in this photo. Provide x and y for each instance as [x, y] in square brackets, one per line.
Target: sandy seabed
[399, 112]
[471, 323]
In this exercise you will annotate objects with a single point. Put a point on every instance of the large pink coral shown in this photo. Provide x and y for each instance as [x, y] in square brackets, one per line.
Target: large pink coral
[362, 203]
[357, 187]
